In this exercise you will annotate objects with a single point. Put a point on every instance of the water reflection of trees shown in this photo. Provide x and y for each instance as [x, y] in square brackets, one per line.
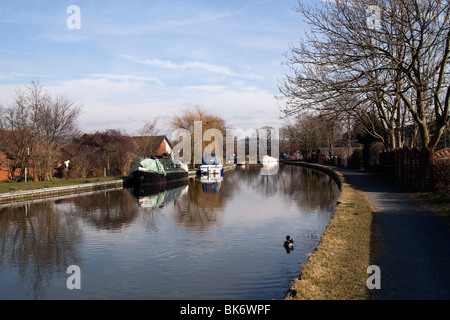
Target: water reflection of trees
[306, 187]
[109, 210]
[199, 209]
[38, 242]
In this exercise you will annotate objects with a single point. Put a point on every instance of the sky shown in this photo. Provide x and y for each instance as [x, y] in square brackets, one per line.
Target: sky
[128, 62]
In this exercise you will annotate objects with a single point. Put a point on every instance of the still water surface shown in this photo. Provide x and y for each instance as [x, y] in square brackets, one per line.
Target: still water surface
[201, 240]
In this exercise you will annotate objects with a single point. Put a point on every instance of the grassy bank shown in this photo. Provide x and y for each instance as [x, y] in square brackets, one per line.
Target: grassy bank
[337, 269]
[436, 201]
[12, 186]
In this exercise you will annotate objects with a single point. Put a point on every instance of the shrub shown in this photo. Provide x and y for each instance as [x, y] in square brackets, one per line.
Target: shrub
[356, 160]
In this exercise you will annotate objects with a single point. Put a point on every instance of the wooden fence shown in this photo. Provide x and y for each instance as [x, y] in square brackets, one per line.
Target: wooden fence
[419, 168]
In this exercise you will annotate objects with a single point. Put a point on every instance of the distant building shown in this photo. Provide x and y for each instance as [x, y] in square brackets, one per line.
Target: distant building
[160, 145]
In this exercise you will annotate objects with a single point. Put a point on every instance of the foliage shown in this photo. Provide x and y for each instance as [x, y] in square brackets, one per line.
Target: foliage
[356, 159]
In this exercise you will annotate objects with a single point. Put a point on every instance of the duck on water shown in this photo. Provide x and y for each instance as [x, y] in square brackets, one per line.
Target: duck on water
[289, 243]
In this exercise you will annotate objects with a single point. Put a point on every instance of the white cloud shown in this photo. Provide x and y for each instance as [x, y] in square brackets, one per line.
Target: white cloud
[126, 77]
[195, 65]
[183, 66]
[126, 101]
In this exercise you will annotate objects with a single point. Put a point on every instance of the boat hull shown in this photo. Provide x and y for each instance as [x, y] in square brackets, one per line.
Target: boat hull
[211, 169]
[142, 178]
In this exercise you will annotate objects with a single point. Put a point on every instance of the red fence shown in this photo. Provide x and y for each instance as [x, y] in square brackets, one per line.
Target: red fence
[419, 168]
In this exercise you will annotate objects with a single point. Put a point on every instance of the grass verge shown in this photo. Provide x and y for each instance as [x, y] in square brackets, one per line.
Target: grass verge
[435, 200]
[12, 186]
[337, 270]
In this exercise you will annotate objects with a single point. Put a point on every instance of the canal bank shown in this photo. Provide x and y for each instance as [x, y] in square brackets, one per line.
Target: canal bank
[337, 269]
[43, 193]
[377, 223]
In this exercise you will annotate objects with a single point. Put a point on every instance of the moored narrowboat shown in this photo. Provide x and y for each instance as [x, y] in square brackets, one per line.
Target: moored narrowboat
[158, 171]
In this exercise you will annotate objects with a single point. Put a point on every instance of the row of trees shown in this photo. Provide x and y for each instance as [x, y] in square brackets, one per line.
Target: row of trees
[309, 132]
[383, 64]
[39, 132]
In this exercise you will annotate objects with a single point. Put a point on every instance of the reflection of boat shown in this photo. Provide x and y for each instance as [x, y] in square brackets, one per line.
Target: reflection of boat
[211, 183]
[270, 166]
[153, 197]
[269, 160]
[211, 164]
[269, 169]
[158, 171]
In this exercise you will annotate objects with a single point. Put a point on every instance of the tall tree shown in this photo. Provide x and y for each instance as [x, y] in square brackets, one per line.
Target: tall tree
[187, 121]
[387, 56]
[38, 125]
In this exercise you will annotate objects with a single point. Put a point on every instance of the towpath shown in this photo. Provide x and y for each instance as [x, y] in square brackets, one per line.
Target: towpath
[410, 244]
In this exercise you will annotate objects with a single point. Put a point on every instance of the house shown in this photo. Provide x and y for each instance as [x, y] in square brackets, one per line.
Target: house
[156, 145]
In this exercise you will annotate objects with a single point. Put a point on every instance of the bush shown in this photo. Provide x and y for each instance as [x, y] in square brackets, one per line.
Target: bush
[356, 160]
[374, 154]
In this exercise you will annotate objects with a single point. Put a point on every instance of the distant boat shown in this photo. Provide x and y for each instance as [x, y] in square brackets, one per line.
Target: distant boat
[293, 158]
[211, 164]
[158, 171]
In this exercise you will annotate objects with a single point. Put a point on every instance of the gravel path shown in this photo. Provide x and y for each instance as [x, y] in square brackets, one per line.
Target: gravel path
[410, 244]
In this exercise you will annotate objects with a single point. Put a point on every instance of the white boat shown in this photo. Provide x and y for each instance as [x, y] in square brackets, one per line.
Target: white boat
[211, 164]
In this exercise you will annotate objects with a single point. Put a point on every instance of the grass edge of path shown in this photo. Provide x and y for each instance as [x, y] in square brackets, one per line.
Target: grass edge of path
[337, 269]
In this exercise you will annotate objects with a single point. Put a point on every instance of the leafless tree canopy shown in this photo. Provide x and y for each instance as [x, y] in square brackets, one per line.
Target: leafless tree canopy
[186, 121]
[35, 127]
[148, 145]
[383, 58]
[109, 150]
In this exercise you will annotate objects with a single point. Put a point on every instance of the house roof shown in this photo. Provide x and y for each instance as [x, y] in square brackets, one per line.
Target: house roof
[157, 140]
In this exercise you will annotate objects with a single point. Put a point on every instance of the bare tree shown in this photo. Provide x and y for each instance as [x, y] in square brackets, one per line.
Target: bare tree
[306, 133]
[38, 125]
[147, 144]
[187, 119]
[389, 58]
[110, 151]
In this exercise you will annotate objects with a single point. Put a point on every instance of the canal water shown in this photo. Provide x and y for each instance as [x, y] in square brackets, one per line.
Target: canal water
[216, 239]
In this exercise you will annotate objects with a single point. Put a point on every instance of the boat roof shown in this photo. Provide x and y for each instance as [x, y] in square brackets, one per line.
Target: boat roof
[211, 159]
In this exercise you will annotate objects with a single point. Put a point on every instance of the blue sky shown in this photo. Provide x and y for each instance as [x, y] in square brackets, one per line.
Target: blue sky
[132, 61]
